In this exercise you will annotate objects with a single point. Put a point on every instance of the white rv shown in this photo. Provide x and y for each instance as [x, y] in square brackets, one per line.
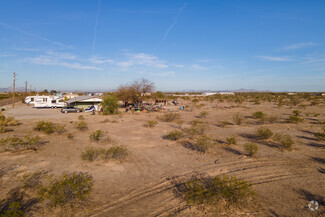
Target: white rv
[45, 101]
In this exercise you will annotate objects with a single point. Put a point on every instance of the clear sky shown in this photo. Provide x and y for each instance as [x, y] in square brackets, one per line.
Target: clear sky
[210, 44]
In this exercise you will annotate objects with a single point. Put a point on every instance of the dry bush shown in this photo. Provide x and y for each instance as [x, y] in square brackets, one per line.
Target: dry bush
[81, 117]
[263, 133]
[33, 180]
[295, 119]
[118, 152]
[199, 143]
[197, 128]
[180, 123]
[225, 123]
[203, 114]
[273, 119]
[169, 117]
[9, 121]
[4, 129]
[90, 154]
[284, 140]
[97, 135]
[231, 140]
[67, 188]
[212, 190]
[14, 144]
[174, 135]
[70, 135]
[238, 118]
[150, 123]
[251, 149]
[82, 125]
[60, 128]
[320, 136]
[45, 126]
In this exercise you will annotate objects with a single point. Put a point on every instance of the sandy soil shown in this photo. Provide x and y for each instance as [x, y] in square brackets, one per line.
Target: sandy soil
[285, 181]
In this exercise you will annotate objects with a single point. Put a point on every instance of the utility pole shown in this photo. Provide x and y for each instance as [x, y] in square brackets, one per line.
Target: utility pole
[30, 89]
[13, 91]
[25, 88]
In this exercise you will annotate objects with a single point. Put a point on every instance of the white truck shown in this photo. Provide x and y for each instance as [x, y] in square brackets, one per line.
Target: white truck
[45, 101]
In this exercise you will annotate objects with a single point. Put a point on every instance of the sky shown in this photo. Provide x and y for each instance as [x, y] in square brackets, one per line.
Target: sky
[276, 45]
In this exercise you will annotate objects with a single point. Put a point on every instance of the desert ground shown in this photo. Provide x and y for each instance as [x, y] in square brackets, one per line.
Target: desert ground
[143, 184]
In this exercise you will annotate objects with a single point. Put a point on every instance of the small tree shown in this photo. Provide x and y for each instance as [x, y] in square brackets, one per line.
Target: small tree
[109, 104]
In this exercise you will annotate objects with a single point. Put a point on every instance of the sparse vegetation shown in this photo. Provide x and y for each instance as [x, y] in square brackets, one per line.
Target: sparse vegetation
[14, 144]
[118, 152]
[174, 135]
[81, 117]
[67, 188]
[70, 135]
[210, 190]
[295, 118]
[231, 140]
[150, 123]
[238, 118]
[320, 136]
[284, 140]
[224, 123]
[263, 133]
[199, 143]
[203, 114]
[97, 135]
[82, 125]
[169, 117]
[7, 121]
[251, 149]
[45, 126]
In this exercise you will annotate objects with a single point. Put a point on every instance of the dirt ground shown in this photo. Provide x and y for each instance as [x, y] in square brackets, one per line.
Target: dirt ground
[142, 185]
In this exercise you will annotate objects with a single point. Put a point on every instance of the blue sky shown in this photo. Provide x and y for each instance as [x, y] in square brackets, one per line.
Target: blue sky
[100, 44]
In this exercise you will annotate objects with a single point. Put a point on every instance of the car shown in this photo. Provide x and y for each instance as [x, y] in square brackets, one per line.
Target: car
[70, 109]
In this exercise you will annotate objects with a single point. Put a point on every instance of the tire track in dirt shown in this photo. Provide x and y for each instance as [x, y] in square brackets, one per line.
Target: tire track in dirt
[155, 188]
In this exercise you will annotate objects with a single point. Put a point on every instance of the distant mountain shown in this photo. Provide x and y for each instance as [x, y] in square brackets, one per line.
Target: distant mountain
[9, 89]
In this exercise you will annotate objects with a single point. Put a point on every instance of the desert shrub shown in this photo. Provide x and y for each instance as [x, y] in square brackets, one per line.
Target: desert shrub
[60, 128]
[203, 114]
[13, 144]
[285, 141]
[320, 136]
[197, 128]
[90, 154]
[9, 121]
[169, 117]
[109, 104]
[67, 188]
[264, 133]
[13, 205]
[251, 149]
[296, 112]
[224, 123]
[70, 135]
[195, 100]
[33, 180]
[82, 125]
[46, 127]
[238, 118]
[199, 143]
[273, 119]
[4, 129]
[118, 152]
[210, 190]
[314, 103]
[258, 115]
[174, 135]
[81, 117]
[180, 123]
[150, 123]
[231, 140]
[97, 135]
[295, 119]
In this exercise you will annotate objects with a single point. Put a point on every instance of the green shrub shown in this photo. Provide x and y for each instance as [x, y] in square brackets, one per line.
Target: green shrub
[174, 135]
[203, 114]
[169, 117]
[109, 104]
[238, 118]
[195, 100]
[251, 149]
[60, 128]
[70, 135]
[67, 188]
[82, 125]
[285, 141]
[224, 123]
[97, 135]
[263, 133]
[4, 129]
[150, 123]
[14, 210]
[9, 121]
[210, 190]
[273, 119]
[45, 126]
[295, 119]
[231, 140]
[296, 112]
[258, 115]
[33, 180]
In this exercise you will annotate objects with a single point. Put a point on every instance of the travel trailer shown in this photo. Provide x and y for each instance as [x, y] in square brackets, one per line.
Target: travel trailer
[45, 101]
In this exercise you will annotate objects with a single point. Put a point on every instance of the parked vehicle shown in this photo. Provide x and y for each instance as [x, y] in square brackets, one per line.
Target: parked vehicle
[45, 101]
[70, 109]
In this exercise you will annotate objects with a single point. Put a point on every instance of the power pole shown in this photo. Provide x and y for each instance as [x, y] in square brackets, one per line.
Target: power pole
[30, 89]
[13, 91]
[25, 88]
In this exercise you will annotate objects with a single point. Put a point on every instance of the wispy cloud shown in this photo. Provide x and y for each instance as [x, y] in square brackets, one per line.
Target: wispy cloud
[34, 35]
[275, 58]
[59, 59]
[96, 24]
[180, 11]
[100, 60]
[142, 59]
[163, 74]
[299, 45]
[197, 67]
